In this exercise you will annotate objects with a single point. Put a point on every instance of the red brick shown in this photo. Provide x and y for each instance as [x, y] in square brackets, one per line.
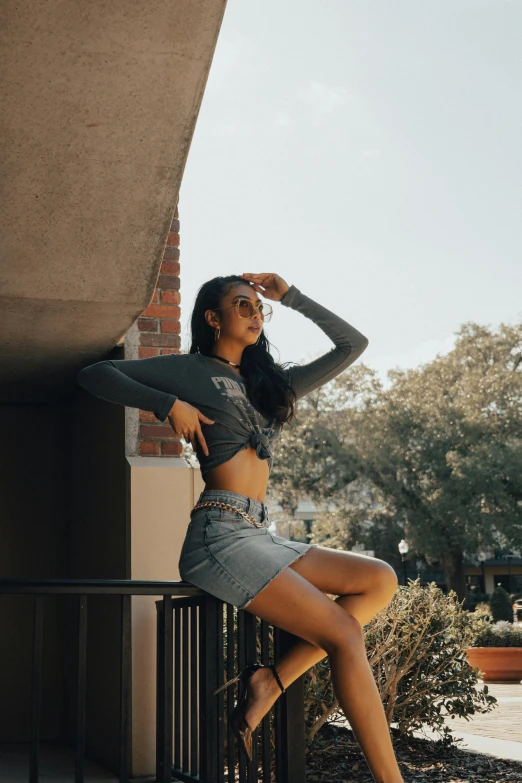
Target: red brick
[163, 431]
[146, 353]
[148, 324]
[170, 268]
[173, 240]
[147, 416]
[160, 311]
[172, 448]
[174, 341]
[170, 326]
[171, 253]
[168, 281]
[155, 297]
[174, 311]
[164, 351]
[174, 226]
[170, 297]
[160, 340]
[148, 447]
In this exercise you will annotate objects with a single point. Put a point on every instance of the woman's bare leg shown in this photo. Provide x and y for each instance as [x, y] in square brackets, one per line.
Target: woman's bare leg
[331, 571]
[364, 586]
[293, 603]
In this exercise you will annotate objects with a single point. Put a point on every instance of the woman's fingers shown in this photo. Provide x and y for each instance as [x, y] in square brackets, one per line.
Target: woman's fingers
[201, 439]
[274, 287]
[263, 279]
[186, 424]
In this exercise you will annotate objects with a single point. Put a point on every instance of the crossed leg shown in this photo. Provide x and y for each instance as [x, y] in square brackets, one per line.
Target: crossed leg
[295, 600]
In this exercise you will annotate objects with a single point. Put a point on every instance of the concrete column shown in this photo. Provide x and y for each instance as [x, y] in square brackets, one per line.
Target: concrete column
[162, 490]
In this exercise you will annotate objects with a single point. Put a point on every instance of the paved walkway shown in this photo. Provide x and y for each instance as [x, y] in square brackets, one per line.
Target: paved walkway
[498, 732]
[504, 722]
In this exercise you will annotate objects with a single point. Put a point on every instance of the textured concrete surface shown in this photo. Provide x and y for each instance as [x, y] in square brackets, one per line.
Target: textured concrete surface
[99, 105]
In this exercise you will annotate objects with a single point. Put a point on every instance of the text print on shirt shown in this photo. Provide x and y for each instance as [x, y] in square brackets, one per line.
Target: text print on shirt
[235, 392]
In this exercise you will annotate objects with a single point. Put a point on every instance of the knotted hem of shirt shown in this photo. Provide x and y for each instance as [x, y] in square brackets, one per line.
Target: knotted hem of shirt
[261, 443]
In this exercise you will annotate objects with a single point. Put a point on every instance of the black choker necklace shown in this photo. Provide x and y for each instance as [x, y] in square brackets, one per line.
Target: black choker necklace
[224, 360]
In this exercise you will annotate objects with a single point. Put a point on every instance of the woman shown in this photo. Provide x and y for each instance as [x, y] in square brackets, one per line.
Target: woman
[230, 399]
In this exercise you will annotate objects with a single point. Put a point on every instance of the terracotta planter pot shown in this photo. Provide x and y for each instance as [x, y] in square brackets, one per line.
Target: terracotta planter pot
[497, 664]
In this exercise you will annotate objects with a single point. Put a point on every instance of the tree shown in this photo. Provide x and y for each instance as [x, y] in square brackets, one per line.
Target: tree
[441, 447]
[454, 429]
[500, 605]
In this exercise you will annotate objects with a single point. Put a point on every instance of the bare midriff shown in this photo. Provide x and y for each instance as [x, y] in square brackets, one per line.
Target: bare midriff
[245, 473]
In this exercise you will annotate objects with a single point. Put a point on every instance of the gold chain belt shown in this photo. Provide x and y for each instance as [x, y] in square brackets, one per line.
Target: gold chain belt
[221, 504]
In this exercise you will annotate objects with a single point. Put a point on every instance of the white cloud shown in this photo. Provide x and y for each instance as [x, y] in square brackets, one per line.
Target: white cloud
[374, 152]
[323, 99]
[226, 128]
[281, 120]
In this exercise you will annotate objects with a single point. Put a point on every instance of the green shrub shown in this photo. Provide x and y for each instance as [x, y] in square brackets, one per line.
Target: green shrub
[416, 649]
[482, 611]
[500, 604]
[500, 634]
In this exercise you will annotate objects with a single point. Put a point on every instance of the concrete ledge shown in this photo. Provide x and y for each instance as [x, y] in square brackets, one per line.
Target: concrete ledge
[158, 462]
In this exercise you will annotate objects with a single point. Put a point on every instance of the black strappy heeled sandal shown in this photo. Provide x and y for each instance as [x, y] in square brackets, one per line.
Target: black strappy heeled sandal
[237, 721]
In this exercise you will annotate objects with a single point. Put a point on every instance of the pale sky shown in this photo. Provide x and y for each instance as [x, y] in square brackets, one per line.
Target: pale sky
[369, 152]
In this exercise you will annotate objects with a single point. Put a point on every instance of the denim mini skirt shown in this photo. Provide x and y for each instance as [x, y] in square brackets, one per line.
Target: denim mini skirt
[227, 556]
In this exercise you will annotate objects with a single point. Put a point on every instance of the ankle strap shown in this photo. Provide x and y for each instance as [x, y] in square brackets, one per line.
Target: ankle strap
[277, 677]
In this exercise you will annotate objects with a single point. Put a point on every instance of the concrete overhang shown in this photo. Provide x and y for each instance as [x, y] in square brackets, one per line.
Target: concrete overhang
[99, 105]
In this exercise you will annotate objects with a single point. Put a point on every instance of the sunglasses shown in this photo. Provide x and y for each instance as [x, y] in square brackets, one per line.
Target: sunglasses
[247, 309]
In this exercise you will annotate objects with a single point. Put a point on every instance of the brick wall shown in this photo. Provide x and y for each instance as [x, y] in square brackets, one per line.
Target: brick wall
[156, 332]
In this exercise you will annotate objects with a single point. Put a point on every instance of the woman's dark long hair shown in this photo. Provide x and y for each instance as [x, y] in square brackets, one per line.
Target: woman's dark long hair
[267, 386]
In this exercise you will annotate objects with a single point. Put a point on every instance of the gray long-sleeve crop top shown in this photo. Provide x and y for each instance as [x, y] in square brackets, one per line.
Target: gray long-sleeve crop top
[154, 384]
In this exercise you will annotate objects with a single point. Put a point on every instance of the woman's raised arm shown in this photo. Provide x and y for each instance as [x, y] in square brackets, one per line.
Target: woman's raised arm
[349, 344]
[152, 384]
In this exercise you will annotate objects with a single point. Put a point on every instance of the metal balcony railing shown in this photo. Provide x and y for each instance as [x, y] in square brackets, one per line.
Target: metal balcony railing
[199, 641]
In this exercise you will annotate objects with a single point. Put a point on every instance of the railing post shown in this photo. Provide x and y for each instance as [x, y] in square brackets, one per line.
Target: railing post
[81, 688]
[247, 654]
[36, 688]
[289, 717]
[230, 673]
[193, 692]
[208, 682]
[164, 690]
[265, 723]
[125, 687]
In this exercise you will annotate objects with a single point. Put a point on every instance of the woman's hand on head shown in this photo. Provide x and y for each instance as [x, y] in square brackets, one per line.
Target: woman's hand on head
[267, 283]
[186, 420]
